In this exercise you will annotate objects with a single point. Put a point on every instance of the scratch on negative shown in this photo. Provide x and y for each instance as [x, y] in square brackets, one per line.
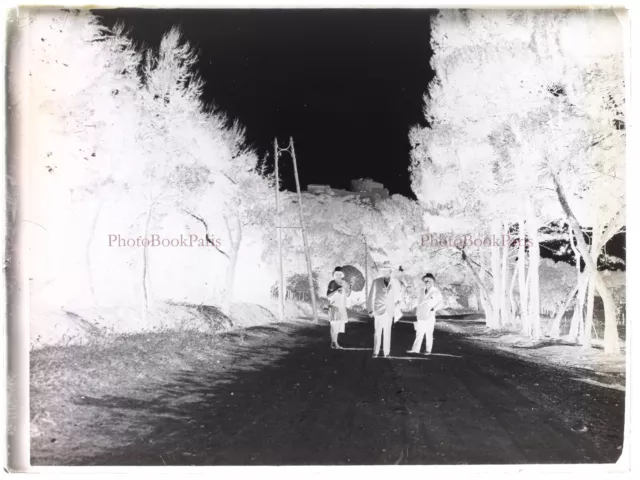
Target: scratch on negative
[35, 223]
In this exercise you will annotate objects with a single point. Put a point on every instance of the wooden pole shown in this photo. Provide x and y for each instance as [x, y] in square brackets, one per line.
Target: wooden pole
[281, 292]
[366, 269]
[304, 234]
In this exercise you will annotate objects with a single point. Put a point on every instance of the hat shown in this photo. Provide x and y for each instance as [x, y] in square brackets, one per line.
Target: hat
[386, 265]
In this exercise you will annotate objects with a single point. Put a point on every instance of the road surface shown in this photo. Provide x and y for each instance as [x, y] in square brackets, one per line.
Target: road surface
[285, 398]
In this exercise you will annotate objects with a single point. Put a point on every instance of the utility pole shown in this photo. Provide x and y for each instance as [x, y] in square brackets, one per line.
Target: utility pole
[366, 269]
[304, 234]
[279, 235]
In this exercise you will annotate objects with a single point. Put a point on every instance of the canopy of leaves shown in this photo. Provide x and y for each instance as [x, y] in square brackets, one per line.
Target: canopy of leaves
[125, 146]
[517, 94]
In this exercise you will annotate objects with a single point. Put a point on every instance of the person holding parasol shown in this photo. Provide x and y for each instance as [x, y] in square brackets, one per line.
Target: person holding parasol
[337, 292]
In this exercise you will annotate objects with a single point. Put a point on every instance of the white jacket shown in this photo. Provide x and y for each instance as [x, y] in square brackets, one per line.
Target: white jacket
[433, 299]
[385, 299]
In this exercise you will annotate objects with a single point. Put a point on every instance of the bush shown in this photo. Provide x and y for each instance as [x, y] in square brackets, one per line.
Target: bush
[298, 287]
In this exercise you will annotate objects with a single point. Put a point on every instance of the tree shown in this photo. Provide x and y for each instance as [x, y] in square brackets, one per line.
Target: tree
[172, 113]
[531, 125]
[146, 155]
[213, 177]
[585, 160]
[458, 171]
[246, 206]
[83, 92]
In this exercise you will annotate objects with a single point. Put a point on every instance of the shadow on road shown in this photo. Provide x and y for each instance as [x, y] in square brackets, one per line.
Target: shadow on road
[402, 358]
[444, 355]
[279, 395]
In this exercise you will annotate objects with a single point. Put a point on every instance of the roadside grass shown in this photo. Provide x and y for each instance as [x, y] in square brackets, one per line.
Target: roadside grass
[84, 398]
[62, 376]
[94, 362]
[611, 369]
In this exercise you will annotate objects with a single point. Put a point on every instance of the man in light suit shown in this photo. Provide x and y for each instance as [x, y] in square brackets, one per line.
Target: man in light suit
[430, 300]
[384, 304]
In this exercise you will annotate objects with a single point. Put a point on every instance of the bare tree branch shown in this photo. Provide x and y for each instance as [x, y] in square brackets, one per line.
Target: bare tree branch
[229, 229]
[595, 170]
[614, 227]
[476, 277]
[206, 228]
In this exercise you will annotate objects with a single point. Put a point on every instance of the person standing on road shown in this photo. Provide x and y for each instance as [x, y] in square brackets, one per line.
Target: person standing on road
[337, 293]
[429, 300]
[383, 304]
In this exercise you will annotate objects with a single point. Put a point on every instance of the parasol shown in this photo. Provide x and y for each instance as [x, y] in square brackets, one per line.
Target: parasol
[353, 276]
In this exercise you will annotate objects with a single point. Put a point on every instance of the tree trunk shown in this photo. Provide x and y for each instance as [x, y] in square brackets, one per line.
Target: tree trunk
[92, 233]
[484, 296]
[496, 272]
[512, 301]
[524, 314]
[231, 266]
[612, 344]
[145, 267]
[485, 271]
[577, 321]
[504, 308]
[484, 304]
[588, 323]
[534, 276]
[554, 331]
[611, 338]
[229, 282]
[576, 331]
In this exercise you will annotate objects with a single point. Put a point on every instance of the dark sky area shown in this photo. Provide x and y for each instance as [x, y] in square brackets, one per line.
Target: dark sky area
[346, 84]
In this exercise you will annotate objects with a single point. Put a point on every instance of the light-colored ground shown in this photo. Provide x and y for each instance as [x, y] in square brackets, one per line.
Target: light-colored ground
[74, 326]
[610, 368]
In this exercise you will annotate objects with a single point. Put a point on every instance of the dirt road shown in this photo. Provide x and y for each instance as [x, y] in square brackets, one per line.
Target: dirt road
[278, 395]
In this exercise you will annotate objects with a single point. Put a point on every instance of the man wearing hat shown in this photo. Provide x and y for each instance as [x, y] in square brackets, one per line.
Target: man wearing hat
[430, 300]
[384, 304]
